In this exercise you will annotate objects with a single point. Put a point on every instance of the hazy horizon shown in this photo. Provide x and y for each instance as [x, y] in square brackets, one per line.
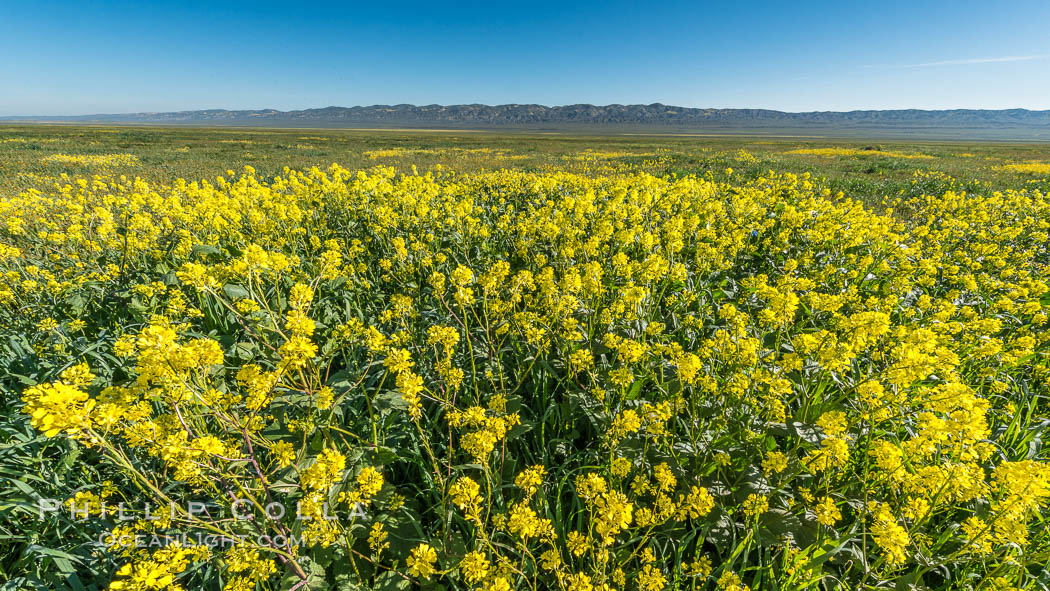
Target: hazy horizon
[40, 115]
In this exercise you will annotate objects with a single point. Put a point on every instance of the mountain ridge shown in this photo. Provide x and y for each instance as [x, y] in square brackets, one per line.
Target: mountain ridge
[655, 116]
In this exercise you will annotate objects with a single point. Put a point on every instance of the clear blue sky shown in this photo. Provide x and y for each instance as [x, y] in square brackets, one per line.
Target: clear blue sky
[60, 58]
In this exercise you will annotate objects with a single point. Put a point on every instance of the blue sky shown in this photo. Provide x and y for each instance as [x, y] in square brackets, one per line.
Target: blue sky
[60, 58]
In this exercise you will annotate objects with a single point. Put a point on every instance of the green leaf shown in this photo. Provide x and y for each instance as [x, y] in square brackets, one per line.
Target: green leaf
[235, 292]
[391, 581]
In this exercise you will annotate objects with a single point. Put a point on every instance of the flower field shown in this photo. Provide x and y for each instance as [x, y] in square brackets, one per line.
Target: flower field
[507, 379]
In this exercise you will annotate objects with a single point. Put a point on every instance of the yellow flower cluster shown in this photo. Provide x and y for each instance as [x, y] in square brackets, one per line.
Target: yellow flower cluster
[547, 380]
[58, 407]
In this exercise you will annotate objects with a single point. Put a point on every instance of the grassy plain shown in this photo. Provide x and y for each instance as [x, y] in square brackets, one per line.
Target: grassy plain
[865, 169]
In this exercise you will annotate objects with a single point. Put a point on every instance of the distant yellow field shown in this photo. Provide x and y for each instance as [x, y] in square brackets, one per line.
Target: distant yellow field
[1033, 167]
[92, 159]
[855, 152]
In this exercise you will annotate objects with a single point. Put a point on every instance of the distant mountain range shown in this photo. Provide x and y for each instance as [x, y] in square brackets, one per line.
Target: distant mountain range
[1019, 124]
